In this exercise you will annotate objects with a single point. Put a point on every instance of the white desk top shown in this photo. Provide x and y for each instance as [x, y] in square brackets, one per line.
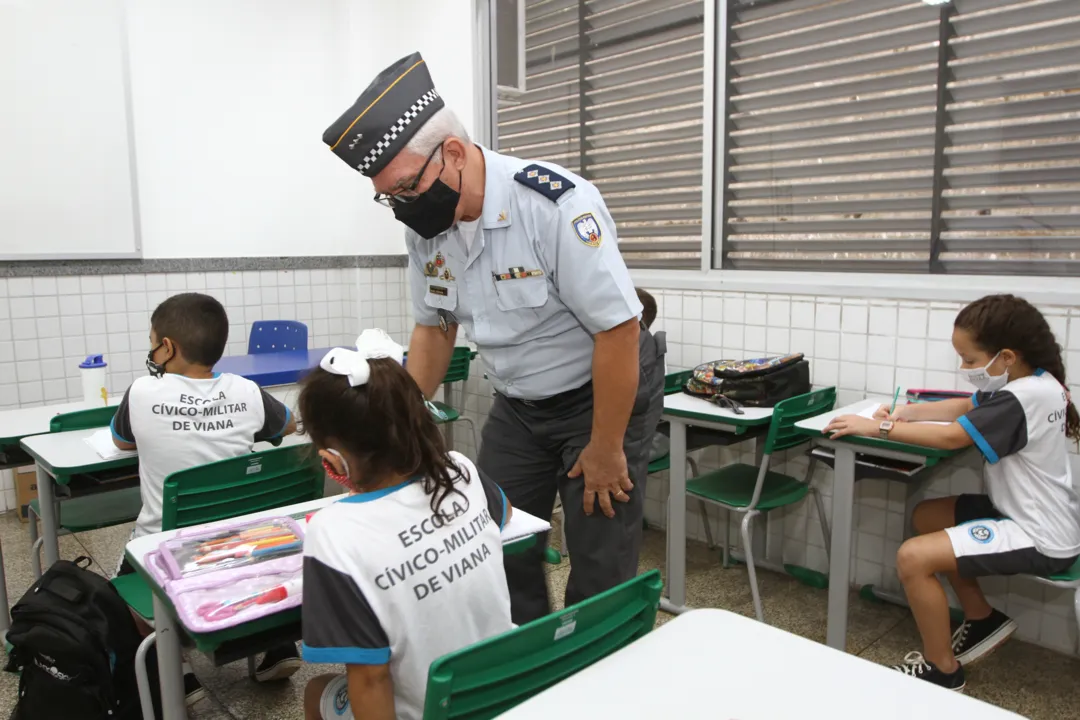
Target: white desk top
[820, 422]
[683, 403]
[22, 422]
[521, 524]
[717, 665]
[69, 451]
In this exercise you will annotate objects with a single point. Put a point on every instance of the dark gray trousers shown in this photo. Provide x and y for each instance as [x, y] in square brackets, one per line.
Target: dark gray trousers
[529, 447]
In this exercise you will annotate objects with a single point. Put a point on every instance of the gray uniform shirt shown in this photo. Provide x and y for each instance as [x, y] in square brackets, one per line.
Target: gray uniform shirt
[543, 276]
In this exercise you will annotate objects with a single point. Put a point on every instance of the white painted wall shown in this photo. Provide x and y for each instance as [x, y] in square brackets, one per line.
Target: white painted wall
[230, 102]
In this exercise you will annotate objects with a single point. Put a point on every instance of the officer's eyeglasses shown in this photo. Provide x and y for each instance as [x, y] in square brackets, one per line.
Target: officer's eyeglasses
[407, 194]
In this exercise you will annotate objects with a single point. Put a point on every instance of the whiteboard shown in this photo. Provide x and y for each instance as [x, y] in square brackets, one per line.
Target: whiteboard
[67, 163]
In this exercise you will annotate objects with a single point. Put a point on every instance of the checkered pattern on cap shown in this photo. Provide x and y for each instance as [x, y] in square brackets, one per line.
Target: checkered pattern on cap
[391, 135]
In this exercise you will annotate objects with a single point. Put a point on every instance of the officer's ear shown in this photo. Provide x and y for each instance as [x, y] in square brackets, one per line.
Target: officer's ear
[454, 151]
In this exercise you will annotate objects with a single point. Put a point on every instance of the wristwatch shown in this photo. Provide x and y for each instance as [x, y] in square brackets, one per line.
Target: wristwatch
[884, 428]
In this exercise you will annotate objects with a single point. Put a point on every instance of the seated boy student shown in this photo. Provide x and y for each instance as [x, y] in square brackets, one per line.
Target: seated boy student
[661, 446]
[184, 414]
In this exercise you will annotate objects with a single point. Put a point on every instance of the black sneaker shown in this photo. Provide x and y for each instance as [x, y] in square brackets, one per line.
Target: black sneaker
[279, 663]
[917, 666]
[193, 689]
[976, 639]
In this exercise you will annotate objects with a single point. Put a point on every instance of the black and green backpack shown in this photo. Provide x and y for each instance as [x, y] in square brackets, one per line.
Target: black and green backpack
[757, 382]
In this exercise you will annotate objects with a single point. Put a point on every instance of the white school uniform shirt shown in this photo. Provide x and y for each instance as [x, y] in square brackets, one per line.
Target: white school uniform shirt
[1020, 430]
[177, 422]
[386, 580]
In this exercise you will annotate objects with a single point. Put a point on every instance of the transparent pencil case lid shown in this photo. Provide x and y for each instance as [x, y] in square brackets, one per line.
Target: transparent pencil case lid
[230, 545]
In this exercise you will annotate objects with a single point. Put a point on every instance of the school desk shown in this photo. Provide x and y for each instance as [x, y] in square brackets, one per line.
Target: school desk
[682, 410]
[243, 641]
[843, 499]
[274, 368]
[59, 456]
[716, 665]
[23, 422]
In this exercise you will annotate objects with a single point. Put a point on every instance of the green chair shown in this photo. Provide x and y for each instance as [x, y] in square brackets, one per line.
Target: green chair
[1067, 580]
[226, 489]
[84, 512]
[754, 490]
[458, 371]
[487, 679]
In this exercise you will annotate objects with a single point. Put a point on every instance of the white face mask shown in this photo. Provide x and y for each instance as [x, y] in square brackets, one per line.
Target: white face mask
[983, 380]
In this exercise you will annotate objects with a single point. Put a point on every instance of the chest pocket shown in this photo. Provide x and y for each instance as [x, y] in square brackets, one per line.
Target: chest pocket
[441, 297]
[520, 293]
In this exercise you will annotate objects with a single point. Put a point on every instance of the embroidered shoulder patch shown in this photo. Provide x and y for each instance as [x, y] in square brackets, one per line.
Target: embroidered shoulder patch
[541, 179]
[587, 229]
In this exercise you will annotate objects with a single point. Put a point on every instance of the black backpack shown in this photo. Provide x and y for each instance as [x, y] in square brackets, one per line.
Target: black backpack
[759, 382]
[74, 643]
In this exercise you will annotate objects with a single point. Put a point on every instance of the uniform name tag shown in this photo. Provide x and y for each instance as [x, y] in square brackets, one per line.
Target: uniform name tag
[438, 290]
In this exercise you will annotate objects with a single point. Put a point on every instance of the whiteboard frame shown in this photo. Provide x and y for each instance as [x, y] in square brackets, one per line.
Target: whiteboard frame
[120, 8]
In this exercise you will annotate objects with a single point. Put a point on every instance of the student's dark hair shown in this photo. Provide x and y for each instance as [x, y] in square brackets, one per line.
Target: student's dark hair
[384, 424]
[999, 322]
[648, 311]
[197, 323]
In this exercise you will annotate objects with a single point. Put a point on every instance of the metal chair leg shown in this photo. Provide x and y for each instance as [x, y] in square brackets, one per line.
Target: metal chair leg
[251, 667]
[748, 553]
[705, 522]
[35, 557]
[694, 472]
[725, 546]
[472, 429]
[142, 677]
[826, 536]
[1076, 605]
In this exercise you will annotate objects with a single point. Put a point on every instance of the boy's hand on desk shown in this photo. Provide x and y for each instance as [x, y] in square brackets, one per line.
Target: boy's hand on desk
[852, 425]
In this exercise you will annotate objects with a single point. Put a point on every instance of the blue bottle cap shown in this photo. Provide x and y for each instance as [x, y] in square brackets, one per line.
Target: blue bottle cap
[93, 361]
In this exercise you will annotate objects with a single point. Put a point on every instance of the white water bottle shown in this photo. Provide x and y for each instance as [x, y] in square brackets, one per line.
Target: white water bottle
[92, 371]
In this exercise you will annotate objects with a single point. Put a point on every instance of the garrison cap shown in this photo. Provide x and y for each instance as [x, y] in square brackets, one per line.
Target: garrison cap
[385, 116]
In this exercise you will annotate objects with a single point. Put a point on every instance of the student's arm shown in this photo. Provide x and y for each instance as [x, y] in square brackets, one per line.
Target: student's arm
[942, 437]
[123, 436]
[278, 419]
[941, 411]
[498, 505]
[371, 691]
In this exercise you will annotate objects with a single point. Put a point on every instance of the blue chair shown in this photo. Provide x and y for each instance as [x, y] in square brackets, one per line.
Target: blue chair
[277, 335]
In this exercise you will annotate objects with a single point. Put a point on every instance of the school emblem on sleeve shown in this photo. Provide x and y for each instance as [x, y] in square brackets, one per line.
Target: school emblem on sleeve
[587, 229]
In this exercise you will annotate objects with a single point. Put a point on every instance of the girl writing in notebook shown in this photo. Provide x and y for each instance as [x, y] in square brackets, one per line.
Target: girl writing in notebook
[1021, 419]
[407, 567]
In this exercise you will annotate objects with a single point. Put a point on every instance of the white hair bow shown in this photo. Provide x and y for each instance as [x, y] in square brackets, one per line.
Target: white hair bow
[370, 345]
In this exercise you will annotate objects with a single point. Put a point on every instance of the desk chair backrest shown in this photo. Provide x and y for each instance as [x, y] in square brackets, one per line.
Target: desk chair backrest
[241, 485]
[492, 676]
[460, 360]
[83, 419]
[277, 335]
[782, 433]
[674, 382]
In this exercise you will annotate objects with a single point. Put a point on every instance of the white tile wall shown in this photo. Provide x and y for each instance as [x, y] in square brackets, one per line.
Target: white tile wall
[864, 348]
[48, 325]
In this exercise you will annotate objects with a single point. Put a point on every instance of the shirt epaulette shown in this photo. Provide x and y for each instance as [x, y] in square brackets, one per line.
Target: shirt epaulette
[541, 179]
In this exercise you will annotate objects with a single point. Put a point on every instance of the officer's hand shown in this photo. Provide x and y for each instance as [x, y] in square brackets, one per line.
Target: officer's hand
[606, 477]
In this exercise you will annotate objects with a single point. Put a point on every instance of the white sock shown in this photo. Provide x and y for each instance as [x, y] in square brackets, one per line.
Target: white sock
[187, 668]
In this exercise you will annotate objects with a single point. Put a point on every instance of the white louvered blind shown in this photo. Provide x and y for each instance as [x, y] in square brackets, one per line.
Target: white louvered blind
[614, 93]
[854, 144]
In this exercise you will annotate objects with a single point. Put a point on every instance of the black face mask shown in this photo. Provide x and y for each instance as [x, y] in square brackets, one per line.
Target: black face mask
[155, 369]
[432, 212]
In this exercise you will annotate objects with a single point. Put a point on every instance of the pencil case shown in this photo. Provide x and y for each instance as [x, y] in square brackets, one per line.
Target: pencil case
[220, 599]
[230, 545]
[921, 395]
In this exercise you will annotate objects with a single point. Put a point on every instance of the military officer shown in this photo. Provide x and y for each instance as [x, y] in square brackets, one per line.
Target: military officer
[524, 257]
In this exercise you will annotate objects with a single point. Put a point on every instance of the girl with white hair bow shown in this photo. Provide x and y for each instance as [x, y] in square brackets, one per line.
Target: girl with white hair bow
[408, 567]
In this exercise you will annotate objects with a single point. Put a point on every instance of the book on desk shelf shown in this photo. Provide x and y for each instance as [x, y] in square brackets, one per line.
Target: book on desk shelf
[101, 442]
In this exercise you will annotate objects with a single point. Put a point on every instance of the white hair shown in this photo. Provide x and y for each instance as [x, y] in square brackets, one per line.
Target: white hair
[442, 125]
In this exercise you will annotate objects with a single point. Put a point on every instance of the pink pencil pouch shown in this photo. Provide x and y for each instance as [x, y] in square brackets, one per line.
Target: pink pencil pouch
[230, 545]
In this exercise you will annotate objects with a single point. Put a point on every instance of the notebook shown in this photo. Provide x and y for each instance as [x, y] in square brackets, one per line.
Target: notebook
[101, 442]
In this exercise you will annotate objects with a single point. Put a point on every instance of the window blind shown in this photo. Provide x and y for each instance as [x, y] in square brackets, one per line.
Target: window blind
[889, 135]
[614, 93]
